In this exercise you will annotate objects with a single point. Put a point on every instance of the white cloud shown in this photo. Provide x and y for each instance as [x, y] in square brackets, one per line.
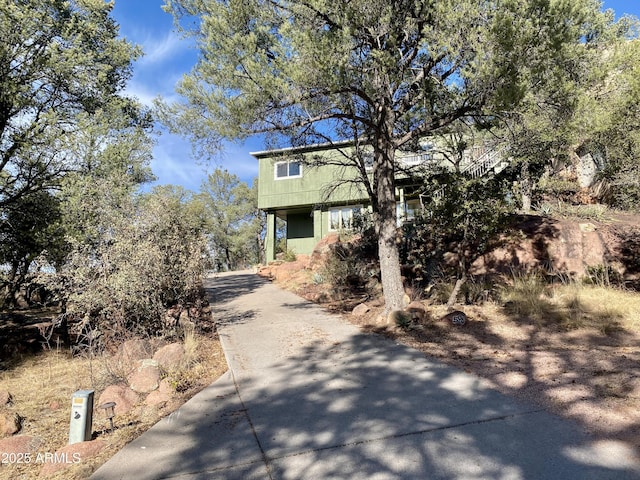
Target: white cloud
[172, 164]
[168, 48]
[140, 91]
[236, 159]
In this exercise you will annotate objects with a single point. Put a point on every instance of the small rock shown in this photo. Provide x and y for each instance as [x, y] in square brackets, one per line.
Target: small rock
[360, 310]
[587, 227]
[10, 424]
[456, 318]
[406, 300]
[71, 455]
[170, 356]
[416, 310]
[124, 397]
[146, 378]
[5, 398]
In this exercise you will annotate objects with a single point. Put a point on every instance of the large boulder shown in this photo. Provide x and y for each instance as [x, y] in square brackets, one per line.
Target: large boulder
[124, 397]
[145, 378]
[170, 357]
[71, 455]
[554, 245]
[322, 251]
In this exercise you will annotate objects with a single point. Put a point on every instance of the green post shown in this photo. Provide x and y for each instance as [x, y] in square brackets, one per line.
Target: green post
[270, 240]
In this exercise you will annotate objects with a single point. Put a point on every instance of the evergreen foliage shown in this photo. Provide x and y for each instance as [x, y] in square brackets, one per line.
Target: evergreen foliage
[381, 74]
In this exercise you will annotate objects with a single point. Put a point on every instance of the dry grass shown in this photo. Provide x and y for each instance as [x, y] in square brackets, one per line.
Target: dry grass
[42, 386]
[571, 305]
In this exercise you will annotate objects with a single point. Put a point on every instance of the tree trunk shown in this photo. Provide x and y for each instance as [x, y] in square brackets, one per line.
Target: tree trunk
[525, 186]
[456, 290]
[260, 252]
[12, 287]
[227, 256]
[386, 227]
[390, 266]
[462, 266]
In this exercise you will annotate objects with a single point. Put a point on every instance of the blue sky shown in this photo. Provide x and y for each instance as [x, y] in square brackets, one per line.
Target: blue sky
[167, 58]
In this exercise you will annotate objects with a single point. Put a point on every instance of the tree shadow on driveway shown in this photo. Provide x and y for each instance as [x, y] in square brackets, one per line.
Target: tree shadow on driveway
[345, 404]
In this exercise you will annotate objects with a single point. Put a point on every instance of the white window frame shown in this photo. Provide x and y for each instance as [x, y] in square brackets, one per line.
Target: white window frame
[406, 212]
[288, 176]
[352, 208]
[368, 159]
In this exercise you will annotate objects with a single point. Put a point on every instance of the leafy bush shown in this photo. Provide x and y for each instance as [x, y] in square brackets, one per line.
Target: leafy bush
[147, 254]
[353, 265]
[563, 209]
[557, 187]
[462, 219]
[289, 255]
[341, 267]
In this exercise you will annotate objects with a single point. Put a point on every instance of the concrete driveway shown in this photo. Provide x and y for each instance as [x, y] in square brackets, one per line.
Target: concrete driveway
[309, 396]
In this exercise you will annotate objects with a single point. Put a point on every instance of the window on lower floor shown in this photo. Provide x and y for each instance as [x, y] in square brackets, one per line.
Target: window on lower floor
[341, 218]
[413, 209]
[407, 212]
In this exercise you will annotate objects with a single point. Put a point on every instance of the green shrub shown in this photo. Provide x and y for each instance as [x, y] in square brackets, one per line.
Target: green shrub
[145, 255]
[341, 267]
[289, 255]
[557, 186]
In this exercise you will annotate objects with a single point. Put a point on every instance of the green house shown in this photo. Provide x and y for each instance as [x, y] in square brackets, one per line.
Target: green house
[315, 192]
[313, 200]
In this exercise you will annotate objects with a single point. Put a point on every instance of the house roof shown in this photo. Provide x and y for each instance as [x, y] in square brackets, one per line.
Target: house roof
[302, 149]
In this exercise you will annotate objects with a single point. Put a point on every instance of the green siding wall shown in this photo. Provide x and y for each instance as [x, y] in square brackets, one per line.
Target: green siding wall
[301, 245]
[309, 189]
[300, 234]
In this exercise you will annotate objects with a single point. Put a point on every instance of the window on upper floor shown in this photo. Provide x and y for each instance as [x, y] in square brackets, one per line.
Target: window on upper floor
[417, 159]
[291, 169]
